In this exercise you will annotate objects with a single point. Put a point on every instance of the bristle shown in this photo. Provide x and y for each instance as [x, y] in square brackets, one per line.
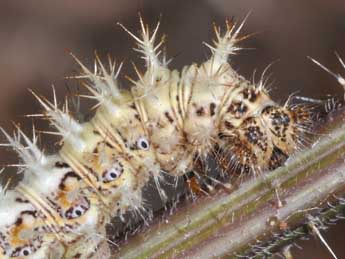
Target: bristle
[226, 45]
[67, 127]
[146, 45]
[28, 152]
[338, 77]
[102, 80]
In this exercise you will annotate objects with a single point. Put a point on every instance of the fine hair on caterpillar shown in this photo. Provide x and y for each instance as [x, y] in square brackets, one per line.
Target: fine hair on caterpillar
[168, 122]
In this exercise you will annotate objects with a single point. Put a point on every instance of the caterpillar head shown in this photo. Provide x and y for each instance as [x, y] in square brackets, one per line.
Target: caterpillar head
[287, 126]
[266, 140]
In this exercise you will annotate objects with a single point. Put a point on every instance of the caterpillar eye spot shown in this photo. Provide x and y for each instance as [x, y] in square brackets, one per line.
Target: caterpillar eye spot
[26, 251]
[22, 251]
[77, 211]
[143, 143]
[114, 173]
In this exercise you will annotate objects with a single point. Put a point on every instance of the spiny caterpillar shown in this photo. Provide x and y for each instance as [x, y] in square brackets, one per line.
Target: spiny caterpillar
[167, 123]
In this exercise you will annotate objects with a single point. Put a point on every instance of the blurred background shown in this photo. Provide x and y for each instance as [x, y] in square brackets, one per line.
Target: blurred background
[36, 37]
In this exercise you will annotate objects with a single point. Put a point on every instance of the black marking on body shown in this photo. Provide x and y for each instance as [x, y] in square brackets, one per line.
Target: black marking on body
[221, 135]
[212, 109]
[92, 172]
[30, 212]
[132, 106]
[78, 255]
[278, 157]
[96, 132]
[228, 125]
[21, 200]
[280, 118]
[200, 111]
[53, 204]
[255, 136]
[60, 164]
[179, 111]
[108, 144]
[19, 221]
[68, 174]
[137, 117]
[280, 121]
[249, 94]
[169, 118]
[237, 109]
[3, 243]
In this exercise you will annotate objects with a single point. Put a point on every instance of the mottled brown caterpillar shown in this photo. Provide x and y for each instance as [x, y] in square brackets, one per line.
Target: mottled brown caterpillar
[168, 121]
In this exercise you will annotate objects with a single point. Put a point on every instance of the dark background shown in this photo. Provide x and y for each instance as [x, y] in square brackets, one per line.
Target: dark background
[36, 37]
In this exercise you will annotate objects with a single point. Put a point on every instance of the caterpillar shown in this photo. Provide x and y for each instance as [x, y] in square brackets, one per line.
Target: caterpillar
[167, 122]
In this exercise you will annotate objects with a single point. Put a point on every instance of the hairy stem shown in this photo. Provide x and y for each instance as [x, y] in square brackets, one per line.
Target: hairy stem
[261, 215]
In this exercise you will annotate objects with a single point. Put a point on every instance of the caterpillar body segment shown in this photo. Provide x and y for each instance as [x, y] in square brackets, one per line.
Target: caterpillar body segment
[63, 210]
[47, 180]
[23, 231]
[169, 121]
